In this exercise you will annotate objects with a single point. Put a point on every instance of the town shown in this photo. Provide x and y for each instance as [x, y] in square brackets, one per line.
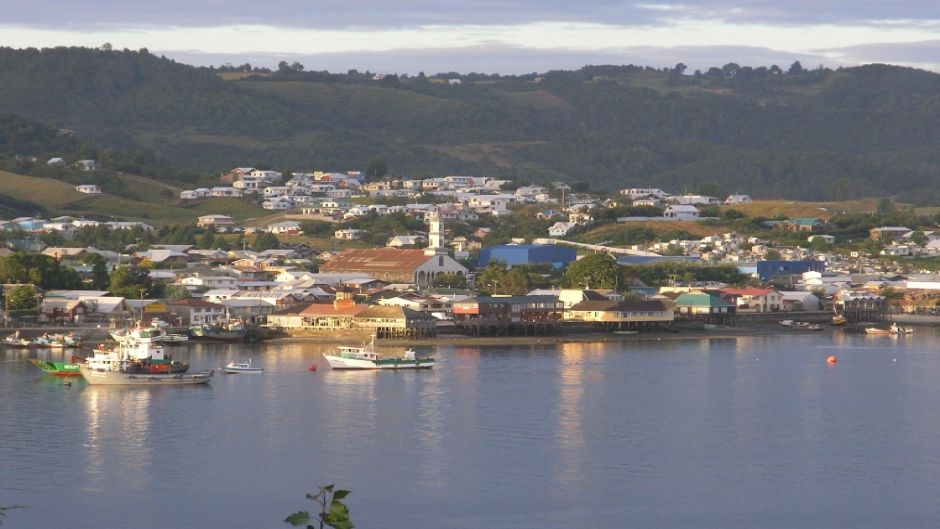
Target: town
[415, 258]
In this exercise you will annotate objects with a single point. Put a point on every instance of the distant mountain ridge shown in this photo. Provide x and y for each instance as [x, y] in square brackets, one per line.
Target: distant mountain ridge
[807, 134]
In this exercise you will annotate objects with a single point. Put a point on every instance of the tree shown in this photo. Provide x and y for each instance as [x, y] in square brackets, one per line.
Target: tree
[265, 241]
[795, 68]
[919, 238]
[450, 281]
[129, 281]
[772, 255]
[376, 168]
[333, 513]
[206, 241]
[679, 69]
[22, 298]
[593, 271]
[316, 227]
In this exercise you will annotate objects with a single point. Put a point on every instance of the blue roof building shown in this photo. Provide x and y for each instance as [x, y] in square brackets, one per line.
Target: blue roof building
[768, 269]
[528, 254]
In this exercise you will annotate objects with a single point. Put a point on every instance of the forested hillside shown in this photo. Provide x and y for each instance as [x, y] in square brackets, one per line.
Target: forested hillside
[770, 132]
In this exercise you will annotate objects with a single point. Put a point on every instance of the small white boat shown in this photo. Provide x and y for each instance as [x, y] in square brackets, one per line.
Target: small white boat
[242, 367]
[15, 340]
[365, 357]
[174, 339]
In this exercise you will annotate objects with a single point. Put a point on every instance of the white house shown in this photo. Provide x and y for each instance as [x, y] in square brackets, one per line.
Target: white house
[681, 211]
[560, 229]
[639, 192]
[737, 199]
[87, 166]
[88, 189]
[695, 200]
[347, 234]
[219, 222]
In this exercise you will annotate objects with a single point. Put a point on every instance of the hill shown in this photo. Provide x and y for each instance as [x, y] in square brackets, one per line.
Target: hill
[802, 134]
[29, 195]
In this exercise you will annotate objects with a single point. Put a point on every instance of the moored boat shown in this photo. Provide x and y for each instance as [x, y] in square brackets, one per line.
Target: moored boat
[242, 367]
[839, 319]
[231, 331]
[126, 378]
[59, 369]
[365, 357]
[58, 341]
[15, 340]
[893, 329]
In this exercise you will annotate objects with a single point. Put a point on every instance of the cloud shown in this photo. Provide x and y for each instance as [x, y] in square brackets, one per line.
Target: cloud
[333, 14]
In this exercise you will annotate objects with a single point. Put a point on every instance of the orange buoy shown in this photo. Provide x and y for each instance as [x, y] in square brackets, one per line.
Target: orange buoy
[832, 359]
[313, 367]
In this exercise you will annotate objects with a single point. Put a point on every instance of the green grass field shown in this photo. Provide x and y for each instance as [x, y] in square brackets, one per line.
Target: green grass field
[154, 207]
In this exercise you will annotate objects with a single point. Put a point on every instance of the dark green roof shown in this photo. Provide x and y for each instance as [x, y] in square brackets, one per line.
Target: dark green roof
[701, 300]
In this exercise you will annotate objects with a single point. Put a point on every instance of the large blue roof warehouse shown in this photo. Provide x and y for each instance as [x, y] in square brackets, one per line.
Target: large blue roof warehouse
[528, 254]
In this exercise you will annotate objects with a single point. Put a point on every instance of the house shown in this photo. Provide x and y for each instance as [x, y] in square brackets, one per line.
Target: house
[331, 316]
[705, 306]
[207, 282]
[88, 189]
[798, 224]
[560, 229]
[753, 299]
[887, 233]
[56, 162]
[417, 267]
[58, 310]
[689, 200]
[681, 212]
[394, 321]
[500, 314]
[87, 166]
[733, 200]
[219, 222]
[634, 193]
[191, 311]
[288, 227]
[405, 241]
[620, 314]
[798, 300]
[348, 234]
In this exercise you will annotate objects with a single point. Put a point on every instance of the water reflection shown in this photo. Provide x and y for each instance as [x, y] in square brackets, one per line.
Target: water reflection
[569, 431]
[118, 434]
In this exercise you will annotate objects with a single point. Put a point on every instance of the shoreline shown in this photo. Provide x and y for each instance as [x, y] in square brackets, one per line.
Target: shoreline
[758, 330]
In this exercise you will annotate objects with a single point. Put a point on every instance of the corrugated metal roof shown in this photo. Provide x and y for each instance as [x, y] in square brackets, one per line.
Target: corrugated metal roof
[376, 260]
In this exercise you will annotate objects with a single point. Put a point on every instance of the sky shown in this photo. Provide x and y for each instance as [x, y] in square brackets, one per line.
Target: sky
[489, 36]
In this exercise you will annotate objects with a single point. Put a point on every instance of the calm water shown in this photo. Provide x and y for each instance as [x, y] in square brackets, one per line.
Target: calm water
[753, 432]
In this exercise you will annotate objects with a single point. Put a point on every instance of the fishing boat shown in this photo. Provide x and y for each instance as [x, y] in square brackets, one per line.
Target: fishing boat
[242, 367]
[59, 369]
[138, 353]
[58, 341]
[15, 340]
[793, 323]
[230, 331]
[138, 363]
[120, 377]
[892, 330]
[365, 357]
[174, 339]
[808, 327]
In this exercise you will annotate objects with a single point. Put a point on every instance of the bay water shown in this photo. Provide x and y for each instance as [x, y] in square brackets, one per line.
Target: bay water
[700, 433]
